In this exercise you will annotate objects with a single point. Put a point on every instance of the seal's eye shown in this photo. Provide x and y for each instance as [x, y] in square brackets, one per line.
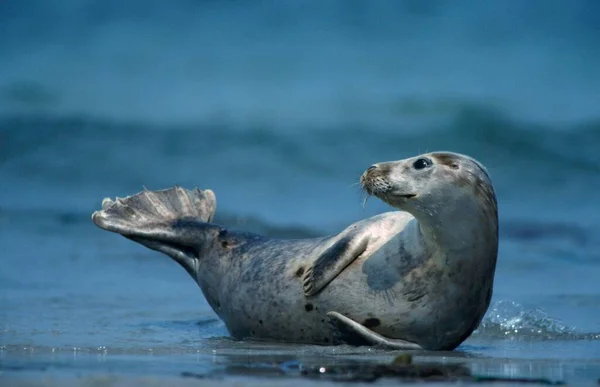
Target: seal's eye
[422, 163]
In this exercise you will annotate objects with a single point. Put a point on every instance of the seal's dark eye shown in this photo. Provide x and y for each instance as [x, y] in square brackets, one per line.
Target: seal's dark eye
[422, 163]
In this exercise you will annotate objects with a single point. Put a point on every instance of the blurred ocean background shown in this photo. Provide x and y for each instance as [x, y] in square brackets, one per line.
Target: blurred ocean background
[279, 106]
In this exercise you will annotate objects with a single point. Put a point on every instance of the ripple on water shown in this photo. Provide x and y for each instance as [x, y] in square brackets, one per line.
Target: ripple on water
[508, 319]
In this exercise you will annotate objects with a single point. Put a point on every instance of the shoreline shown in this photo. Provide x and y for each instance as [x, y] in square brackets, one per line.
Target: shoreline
[237, 367]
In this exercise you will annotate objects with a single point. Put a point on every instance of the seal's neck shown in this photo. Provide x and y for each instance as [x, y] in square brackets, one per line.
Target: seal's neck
[459, 227]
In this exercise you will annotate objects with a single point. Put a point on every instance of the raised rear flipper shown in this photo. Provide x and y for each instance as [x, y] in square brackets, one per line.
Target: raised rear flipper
[127, 215]
[173, 221]
[331, 263]
[368, 335]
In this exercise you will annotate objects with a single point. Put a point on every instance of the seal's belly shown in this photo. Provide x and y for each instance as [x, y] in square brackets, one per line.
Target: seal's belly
[277, 310]
[387, 305]
[274, 307]
[426, 306]
[264, 299]
[267, 302]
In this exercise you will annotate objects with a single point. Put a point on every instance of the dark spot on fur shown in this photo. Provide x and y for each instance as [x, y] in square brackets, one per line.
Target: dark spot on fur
[371, 323]
[446, 159]
[253, 333]
[326, 340]
[224, 244]
[322, 320]
[217, 303]
[308, 307]
[300, 271]
[260, 322]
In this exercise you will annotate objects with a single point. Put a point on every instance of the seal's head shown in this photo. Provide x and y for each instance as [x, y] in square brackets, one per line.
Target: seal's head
[434, 186]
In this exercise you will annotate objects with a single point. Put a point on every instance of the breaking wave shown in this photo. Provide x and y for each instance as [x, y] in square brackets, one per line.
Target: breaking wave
[510, 320]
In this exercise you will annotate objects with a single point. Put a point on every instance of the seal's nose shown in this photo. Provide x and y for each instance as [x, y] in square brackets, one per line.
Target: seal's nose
[368, 172]
[367, 176]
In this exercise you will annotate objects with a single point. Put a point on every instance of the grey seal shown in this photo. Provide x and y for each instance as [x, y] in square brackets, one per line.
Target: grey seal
[418, 278]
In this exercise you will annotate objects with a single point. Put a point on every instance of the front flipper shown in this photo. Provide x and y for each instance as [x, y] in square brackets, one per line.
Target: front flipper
[332, 262]
[370, 336]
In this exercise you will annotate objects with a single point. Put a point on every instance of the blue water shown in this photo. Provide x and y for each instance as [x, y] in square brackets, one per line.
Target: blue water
[279, 106]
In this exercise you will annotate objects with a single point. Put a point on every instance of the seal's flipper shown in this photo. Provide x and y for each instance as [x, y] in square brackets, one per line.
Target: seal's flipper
[106, 203]
[184, 257]
[369, 336]
[124, 215]
[170, 221]
[332, 262]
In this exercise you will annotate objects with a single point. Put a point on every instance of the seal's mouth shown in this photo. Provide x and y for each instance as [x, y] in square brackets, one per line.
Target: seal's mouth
[383, 190]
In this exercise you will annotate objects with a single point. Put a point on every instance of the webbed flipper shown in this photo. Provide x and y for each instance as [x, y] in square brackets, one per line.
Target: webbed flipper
[368, 335]
[331, 263]
[136, 214]
[172, 221]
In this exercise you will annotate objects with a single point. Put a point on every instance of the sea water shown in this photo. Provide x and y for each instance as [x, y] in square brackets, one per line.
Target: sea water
[279, 106]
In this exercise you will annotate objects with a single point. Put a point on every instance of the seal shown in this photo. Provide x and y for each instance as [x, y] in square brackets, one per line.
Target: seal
[417, 278]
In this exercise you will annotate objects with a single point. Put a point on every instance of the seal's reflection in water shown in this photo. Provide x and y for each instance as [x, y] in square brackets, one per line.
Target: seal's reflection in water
[407, 367]
[225, 359]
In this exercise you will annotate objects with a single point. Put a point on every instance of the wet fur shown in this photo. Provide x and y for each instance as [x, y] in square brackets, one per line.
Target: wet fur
[395, 285]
